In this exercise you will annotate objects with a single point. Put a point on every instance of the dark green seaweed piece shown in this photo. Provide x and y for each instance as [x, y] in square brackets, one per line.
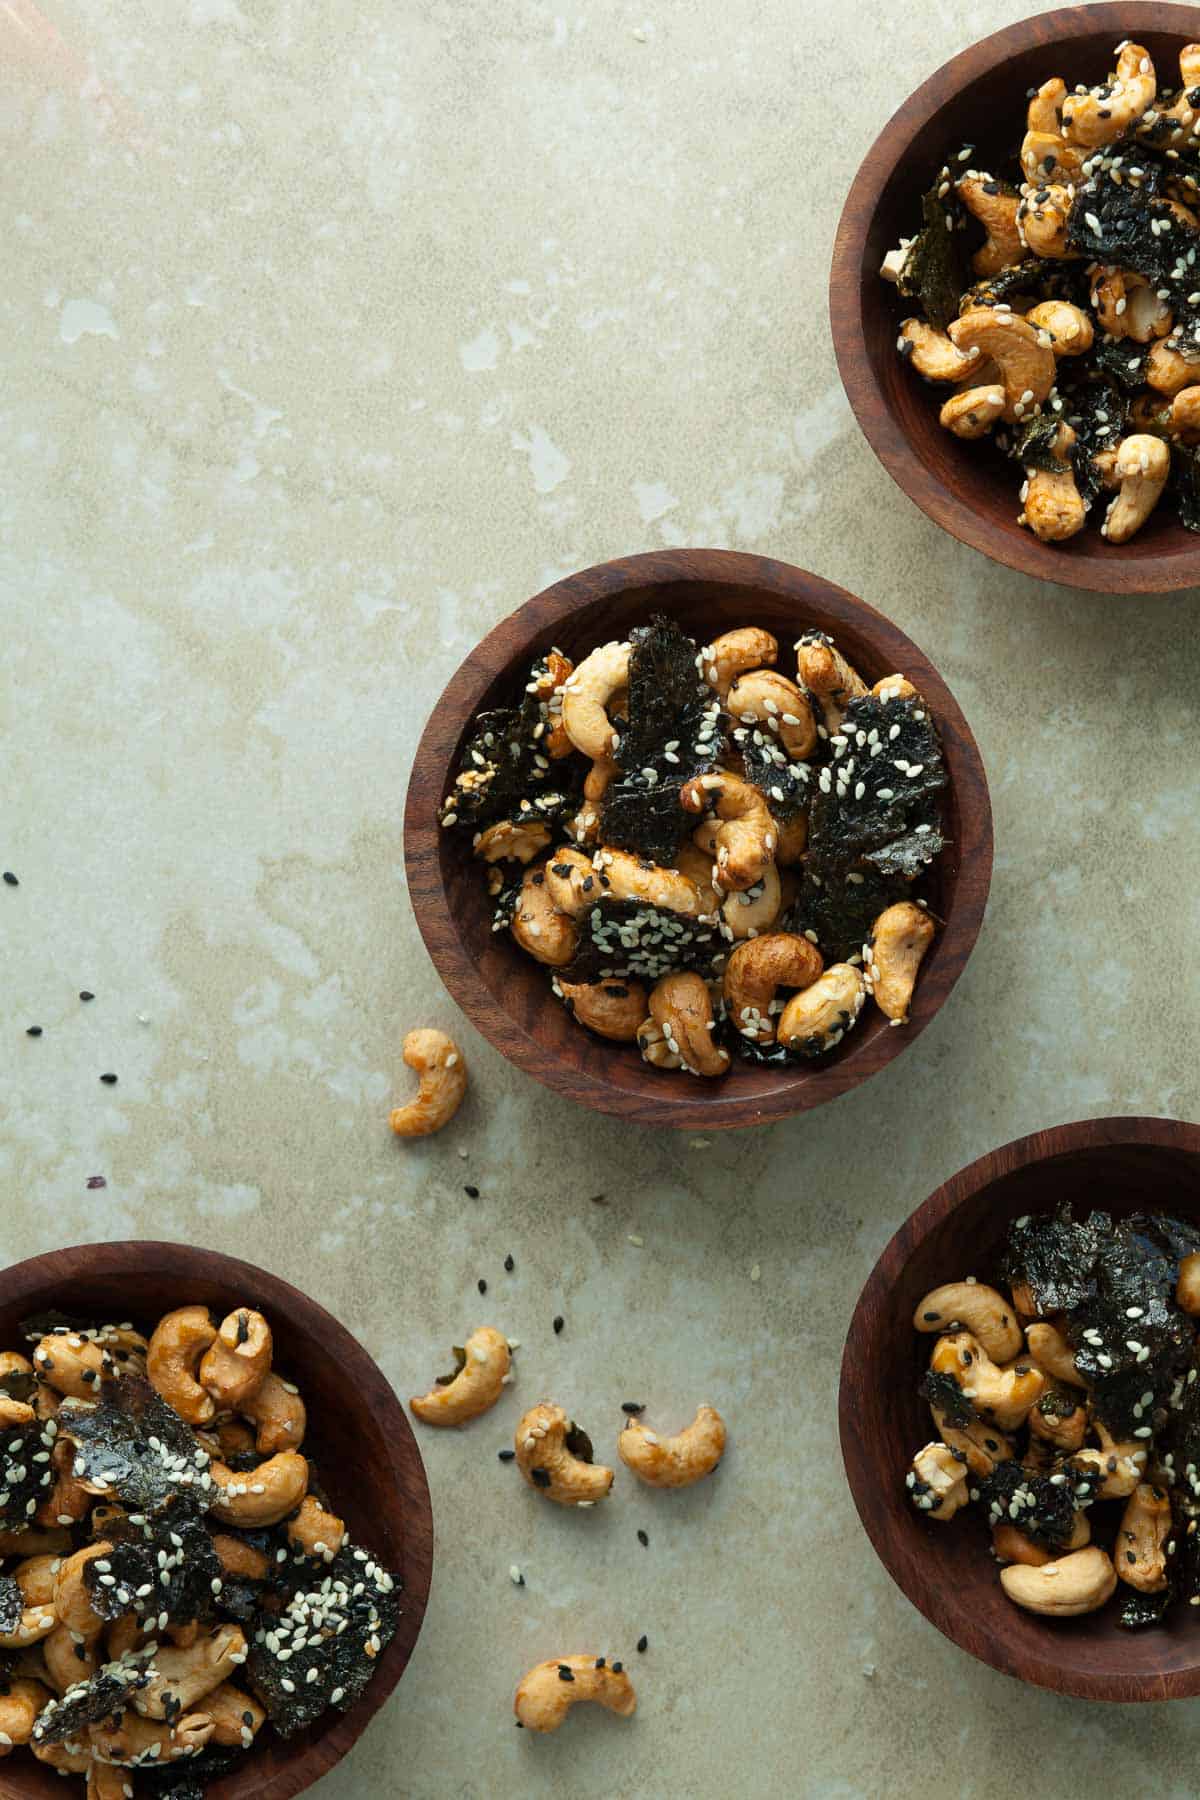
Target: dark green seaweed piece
[785, 785]
[1129, 1337]
[1181, 1435]
[188, 1778]
[1113, 222]
[191, 1566]
[11, 1603]
[630, 937]
[503, 763]
[343, 1614]
[1185, 484]
[840, 910]
[1031, 443]
[89, 1702]
[943, 1391]
[1139, 1610]
[1185, 1564]
[20, 1384]
[24, 1481]
[1122, 360]
[906, 857]
[141, 1448]
[937, 268]
[1055, 1257]
[1039, 1506]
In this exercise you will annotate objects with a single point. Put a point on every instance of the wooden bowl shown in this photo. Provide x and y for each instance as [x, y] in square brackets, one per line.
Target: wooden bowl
[507, 996]
[358, 1436]
[947, 1571]
[970, 489]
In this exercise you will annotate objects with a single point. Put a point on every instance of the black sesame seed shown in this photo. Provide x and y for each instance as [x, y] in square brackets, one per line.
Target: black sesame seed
[600, 1661]
[564, 1674]
[96, 1181]
[632, 1407]
[471, 1192]
[540, 1477]
[1131, 1556]
[85, 994]
[643, 1645]
[109, 1080]
[506, 1455]
[558, 1324]
[509, 1265]
[643, 1540]
[33, 1031]
[931, 1318]
[11, 879]
[482, 1285]
[617, 1668]
[519, 1724]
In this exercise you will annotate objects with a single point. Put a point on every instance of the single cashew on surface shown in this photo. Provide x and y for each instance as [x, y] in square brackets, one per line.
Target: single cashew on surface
[1140, 1552]
[549, 1691]
[586, 695]
[826, 673]
[757, 970]
[900, 937]
[612, 1009]
[975, 1308]
[1026, 365]
[681, 1009]
[555, 1457]
[1004, 1394]
[1052, 505]
[997, 213]
[235, 1364]
[442, 1075]
[1080, 1582]
[180, 1679]
[671, 1462]
[262, 1496]
[1142, 466]
[937, 1481]
[746, 836]
[936, 356]
[731, 654]
[483, 1362]
[1107, 112]
[539, 927]
[818, 1018]
[763, 697]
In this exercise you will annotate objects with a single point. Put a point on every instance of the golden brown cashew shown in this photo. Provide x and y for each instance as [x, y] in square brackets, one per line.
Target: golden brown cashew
[937, 1482]
[69, 1498]
[1106, 113]
[20, 1705]
[826, 673]
[586, 694]
[1043, 220]
[754, 910]
[977, 1309]
[277, 1412]
[612, 1009]
[997, 213]
[68, 1759]
[443, 1082]
[512, 840]
[900, 937]
[1127, 306]
[315, 1531]
[1012, 1545]
[1077, 1583]
[678, 1461]
[35, 1578]
[555, 1457]
[792, 840]
[548, 1692]
[1052, 1353]
[1069, 325]
[1168, 371]
[36, 1623]
[1187, 1287]
[235, 1365]
[757, 970]
[177, 1344]
[574, 882]
[34, 1543]
[1026, 365]
[1004, 1394]
[1143, 464]
[1045, 153]
[66, 1661]
[262, 1496]
[106, 1782]
[972, 412]
[181, 1678]
[819, 1017]
[237, 1717]
[1140, 1550]
[746, 836]
[1183, 415]
[70, 1364]
[129, 1738]
[980, 1445]
[1052, 505]
[763, 697]
[1060, 1419]
[895, 687]
[734, 652]
[15, 1412]
[936, 356]
[239, 1559]
[13, 1363]
[475, 1388]
[681, 1008]
[72, 1603]
[542, 931]
[1115, 1467]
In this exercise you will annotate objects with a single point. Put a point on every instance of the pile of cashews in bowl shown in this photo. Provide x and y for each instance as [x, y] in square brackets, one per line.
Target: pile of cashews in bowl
[172, 1578]
[555, 1459]
[1072, 333]
[712, 859]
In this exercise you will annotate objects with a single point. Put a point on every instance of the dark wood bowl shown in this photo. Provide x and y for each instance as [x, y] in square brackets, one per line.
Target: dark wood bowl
[507, 996]
[358, 1436]
[947, 1571]
[980, 97]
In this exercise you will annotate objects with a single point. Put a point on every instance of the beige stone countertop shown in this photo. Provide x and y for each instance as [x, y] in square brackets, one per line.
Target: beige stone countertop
[332, 333]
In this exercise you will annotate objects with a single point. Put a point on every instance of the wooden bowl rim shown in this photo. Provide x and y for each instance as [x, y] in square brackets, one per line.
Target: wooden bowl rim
[1092, 567]
[37, 1279]
[860, 1462]
[710, 1106]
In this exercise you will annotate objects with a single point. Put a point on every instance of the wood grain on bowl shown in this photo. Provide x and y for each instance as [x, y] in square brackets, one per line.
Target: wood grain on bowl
[969, 488]
[946, 1570]
[506, 995]
[358, 1437]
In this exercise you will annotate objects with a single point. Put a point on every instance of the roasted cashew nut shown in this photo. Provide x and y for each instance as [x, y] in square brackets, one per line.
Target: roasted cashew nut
[262, 1496]
[746, 837]
[555, 1457]
[575, 882]
[1077, 1583]
[972, 412]
[1026, 365]
[236, 1363]
[1052, 1353]
[751, 911]
[35, 1578]
[66, 1661]
[973, 1307]
[1168, 372]
[935, 355]
[1116, 1467]
[20, 1705]
[442, 1076]
[1052, 505]
[763, 697]
[315, 1531]
[586, 694]
[996, 211]
[1106, 113]
[278, 1413]
[1060, 1419]
[179, 1679]
[1127, 305]
[980, 1445]
[818, 1018]
[1045, 154]
[70, 1364]
[69, 1498]
[1043, 218]
[1142, 466]
[1069, 326]
[1140, 1552]
[900, 937]
[672, 1462]
[105, 1781]
[1014, 1546]
[240, 1560]
[550, 1690]
[15, 1412]
[681, 1008]
[35, 1543]
[36, 1623]
[757, 970]
[177, 1344]
[735, 652]
[72, 1602]
[1187, 1286]
[485, 1361]
[1183, 415]
[127, 1738]
[68, 1759]
[895, 687]
[937, 1481]
[826, 673]
[237, 1717]
[512, 840]
[538, 926]
[1003, 1394]
[612, 1009]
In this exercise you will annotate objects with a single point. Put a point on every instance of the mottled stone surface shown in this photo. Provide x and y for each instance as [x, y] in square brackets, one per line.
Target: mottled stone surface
[332, 333]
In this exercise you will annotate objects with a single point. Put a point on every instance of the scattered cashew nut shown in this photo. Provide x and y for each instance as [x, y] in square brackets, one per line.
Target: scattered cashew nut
[442, 1075]
[477, 1385]
[547, 1693]
[672, 1462]
[555, 1457]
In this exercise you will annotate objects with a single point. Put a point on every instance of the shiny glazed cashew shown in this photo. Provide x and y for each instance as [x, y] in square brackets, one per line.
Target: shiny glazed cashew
[442, 1076]
[681, 1008]
[177, 1344]
[734, 652]
[240, 1559]
[1128, 307]
[1060, 1419]
[1142, 466]
[36, 1623]
[937, 1482]
[764, 697]
[746, 837]
[278, 1414]
[68, 1759]
[555, 1457]
[1069, 325]
[70, 1364]
[1052, 505]
[1187, 1286]
[315, 1531]
[1004, 1394]
[671, 1462]
[1140, 1550]
[1077, 1583]
[235, 1365]
[574, 883]
[972, 412]
[547, 1694]
[936, 356]
[512, 840]
[181, 1678]
[1012, 1545]
[237, 1717]
[754, 910]
[1117, 1467]
[1052, 1353]
[980, 1445]
[612, 1009]
[477, 1385]
[19, 1708]
[128, 1738]
[1106, 113]
[975, 1308]
[1168, 371]
[819, 1017]
[69, 1498]
[105, 1781]
[1043, 219]
[1026, 365]
[542, 931]
[792, 840]
[997, 213]
[66, 1661]
[72, 1602]
[1045, 153]
[586, 694]
[826, 673]
[900, 937]
[757, 970]
[262, 1496]
[15, 1412]
[35, 1578]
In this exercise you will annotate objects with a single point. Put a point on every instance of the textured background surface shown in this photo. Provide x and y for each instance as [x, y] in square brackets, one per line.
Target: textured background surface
[333, 333]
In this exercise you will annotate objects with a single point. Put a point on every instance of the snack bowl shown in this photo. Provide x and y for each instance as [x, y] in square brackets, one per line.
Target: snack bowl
[358, 1437]
[1119, 1166]
[969, 488]
[507, 996]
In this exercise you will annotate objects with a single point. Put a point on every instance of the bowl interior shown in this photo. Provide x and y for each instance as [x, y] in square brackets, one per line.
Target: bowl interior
[358, 1440]
[519, 1012]
[947, 1570]
[985, 108]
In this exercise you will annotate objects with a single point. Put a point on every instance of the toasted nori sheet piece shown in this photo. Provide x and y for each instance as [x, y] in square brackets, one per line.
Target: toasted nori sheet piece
[1185, 482]
[1111, 222]
[1031, 443]
[1122, 360]
[11, 1603]
[611, 945]
[841, 911]
[1185, 1564]
[1097, 409]
[500, 760]
[343, 1668]
[1139, 1610]
[937, 269]
[44, 1324]
[1056, 1256]
[1046, 1511]
[188, 1778]
[192, 1567]
[941, 1390]
[24, 1483]
[1134, 1268]
[113, 1444]
[88, 1702]
[785, 785]
[1181, 1435]
[21, 1385]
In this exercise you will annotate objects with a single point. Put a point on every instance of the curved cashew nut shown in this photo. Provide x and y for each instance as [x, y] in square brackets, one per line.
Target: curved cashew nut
[1052, 505]
[542, 931]
[612, 1009]
[239, 1559]
[975, 1308]
[20, 1705]
[442, 1075]
[733, 653]
[681, 1008]
[936, 356]
[1142, 466]
[1109, 111]
[1169, 372]
[67, 1661]
[826, 673]
[549, 678]
[763, 697]
[585, 826]
[1115, 1467]
[177, 1344]
[68, 1759]
[548, 1692]
[512, 840]
[1043, 219]
[754, 910]
[179, 1679]
[478, 1384]
[671, 1462]
[1127, 305]
[72, 1602]
[1140, 1550]
[996, 211]
[792, 840]
[105, 1781]
[36, 1623]
[972, 412]
[237, 1717]
[1045, 153]
[586, 694]
[554, 1457]
[35, 1578]
[937, 1481]
[235, 1365]
[1013, 1546]
[819, 1017]
[895, 687]
[1077, 1583]
[69, 1498]
[1060, 1419]
[278, 1413]
[1068, 324]
[1026, 365]
[1183, 418]
[746, 837]
[574, 883]
[1187, 1286]
[70, 1364]
[1052, 1353]
[263, 1496]
[980, 1445]
[900, 937]
[757, 970]
[134, 1739]
[1004, 1394]
[315, 1531]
